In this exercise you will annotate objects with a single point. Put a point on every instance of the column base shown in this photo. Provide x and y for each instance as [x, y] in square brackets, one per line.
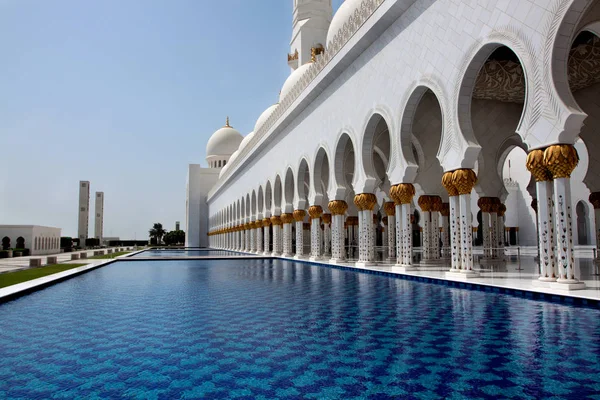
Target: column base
[567, 284]
[300, 257]
[546, 279]
[315, 258]
[337, 261]
[363, 264]
[403, 268]
[461, 275]
[290, 255]
[276, 254]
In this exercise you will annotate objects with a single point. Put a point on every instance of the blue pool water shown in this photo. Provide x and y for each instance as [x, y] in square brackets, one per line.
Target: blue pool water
[277, 329]
[187, 253]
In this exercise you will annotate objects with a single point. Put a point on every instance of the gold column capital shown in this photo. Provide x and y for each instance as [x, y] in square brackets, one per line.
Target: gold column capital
[276, 220]
[315, 211]
[390, 208]
[536, 165]
[425, 203]
[326, 218]
[445, 211]
[436, 203]
[402, 193]
[287, 218]
[365, 201]
[299, 215]
[448, 183]
[561, 160]
[463, 180]
[338, 207]
[266, 222]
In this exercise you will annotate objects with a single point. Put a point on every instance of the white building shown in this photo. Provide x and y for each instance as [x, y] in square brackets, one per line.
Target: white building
[84, 211]
[39, 240]
[99, 222]
[408, 109]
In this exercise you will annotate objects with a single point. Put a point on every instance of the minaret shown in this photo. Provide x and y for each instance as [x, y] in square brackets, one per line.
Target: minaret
[99, 221]
[309, 30]
[84, 211]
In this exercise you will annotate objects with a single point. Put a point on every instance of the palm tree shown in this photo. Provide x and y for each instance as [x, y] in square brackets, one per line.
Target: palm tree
[157, 232]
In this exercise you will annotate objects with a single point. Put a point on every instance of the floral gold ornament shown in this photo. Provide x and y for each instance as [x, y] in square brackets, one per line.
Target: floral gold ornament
[436, 203]
[338, 207]
[326, 218]
[448, 183]
[425, 203]
[276, 220]
[365, 201]
[315, 211]
[287, 218]
[464, 180]
[390, 208]
[561, 160]
[485, 204]
[445, 211]
[352, 221]
[535, 164]
[266, 222]
[402, 193]
[299, 215]
[501, 210]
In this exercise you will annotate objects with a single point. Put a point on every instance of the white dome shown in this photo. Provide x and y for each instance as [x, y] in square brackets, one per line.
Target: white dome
[341, 16]
[264, 116]
[232, 158]
[223, 142]
[245, 141]
[291, 81]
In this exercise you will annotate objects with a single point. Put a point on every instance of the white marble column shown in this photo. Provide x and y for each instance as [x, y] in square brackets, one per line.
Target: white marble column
[446, 250]
[425, 204]
[316, 239]
[338, 210]
[326, 235]
[287, 220]
[403, 194]
[463, 181]
[277, 235]
[391, 237]
[501, 229]
[399, 232]
[561, 160]
[595, 200]
[267, 236]
[366, 246]
[545, 212]
[484, 204]
[436, 206]
[299, 218]
[259, 237]
[494, 231]
[252, 237]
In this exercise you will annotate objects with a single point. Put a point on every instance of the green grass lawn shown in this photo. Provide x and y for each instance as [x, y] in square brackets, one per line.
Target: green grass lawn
[12, 278]
[109, 256]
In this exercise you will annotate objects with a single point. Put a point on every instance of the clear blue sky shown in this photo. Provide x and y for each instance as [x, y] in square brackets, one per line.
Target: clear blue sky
[125, 94]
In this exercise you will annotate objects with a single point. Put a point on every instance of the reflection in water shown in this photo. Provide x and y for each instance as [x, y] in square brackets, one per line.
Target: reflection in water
[274, 328]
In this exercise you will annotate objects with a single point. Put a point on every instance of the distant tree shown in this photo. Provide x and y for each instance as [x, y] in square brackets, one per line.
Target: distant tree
[157, 232]
[174, 237]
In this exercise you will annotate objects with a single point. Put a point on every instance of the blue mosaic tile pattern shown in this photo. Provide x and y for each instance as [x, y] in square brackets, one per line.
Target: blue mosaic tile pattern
[187, 253]
[264, 329]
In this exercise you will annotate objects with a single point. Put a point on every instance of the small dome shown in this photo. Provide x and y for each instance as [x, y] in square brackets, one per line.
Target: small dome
[264, 117]
[224, 141]
[292, 80]
[245, 141]
[233, 157]
[342, 16]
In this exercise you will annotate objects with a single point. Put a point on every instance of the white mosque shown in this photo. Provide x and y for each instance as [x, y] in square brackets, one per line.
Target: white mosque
[392, 135]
